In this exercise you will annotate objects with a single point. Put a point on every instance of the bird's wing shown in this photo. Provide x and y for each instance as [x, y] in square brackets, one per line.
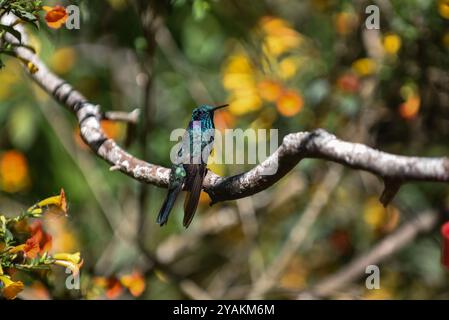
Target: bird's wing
[195, 174]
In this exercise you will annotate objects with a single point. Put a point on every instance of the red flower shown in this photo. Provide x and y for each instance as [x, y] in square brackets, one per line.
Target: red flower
[43, 239]
[445, 249]
[349, 83]
[56, 16]
[32, 247]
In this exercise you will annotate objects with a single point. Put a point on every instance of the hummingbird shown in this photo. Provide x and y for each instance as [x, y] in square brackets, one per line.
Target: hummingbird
[190, 167]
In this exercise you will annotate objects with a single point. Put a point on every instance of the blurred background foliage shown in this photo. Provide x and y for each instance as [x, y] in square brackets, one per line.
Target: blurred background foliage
[290, 65]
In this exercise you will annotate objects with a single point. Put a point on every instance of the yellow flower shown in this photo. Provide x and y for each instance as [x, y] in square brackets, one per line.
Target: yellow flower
[280, 37]
[59, 202]
[364, 66]
[238, 73]
[380, 218]
[135, 283]
[392, 43]
[10, 288]
[288, 67]
[443, 8]
[20, 247]
[239, 63]
[275, 46]
[63, 60]
[72, 257]
[374, 213]
[235, 81]
[71, 264]
[241, 104]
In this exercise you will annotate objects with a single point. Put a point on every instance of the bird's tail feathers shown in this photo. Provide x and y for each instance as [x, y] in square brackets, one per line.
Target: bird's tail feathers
[169, 202]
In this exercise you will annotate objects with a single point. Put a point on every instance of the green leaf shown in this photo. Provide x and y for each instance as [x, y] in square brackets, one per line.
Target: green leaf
[8, 236]
[24, 15]
[28, 17]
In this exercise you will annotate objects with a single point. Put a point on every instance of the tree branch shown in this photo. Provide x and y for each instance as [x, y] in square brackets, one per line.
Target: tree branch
[128, 117]
[296, 146]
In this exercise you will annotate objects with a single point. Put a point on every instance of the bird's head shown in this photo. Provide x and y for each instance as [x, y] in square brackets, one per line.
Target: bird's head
[205, 111]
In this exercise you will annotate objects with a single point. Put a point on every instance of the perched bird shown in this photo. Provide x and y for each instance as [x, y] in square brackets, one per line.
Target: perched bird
[189, 169]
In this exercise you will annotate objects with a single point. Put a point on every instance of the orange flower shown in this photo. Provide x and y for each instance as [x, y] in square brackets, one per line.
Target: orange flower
[224, 120]
[135, 283]
[10, 288]
[31, 247]
[56, 16]
[270, 90]
[14, 175]
[113, 287]
[113, 129]
[410, 108]
[290, 103]
[345, 23]
[43, 239]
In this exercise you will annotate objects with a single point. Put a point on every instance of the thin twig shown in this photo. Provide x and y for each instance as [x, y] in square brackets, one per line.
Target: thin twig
[128, 117]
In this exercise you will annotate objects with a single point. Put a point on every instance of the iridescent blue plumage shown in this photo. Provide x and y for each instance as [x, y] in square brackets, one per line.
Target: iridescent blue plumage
[190, 168]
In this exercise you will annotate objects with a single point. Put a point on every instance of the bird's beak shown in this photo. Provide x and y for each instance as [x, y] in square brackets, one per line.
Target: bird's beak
[219, 107]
